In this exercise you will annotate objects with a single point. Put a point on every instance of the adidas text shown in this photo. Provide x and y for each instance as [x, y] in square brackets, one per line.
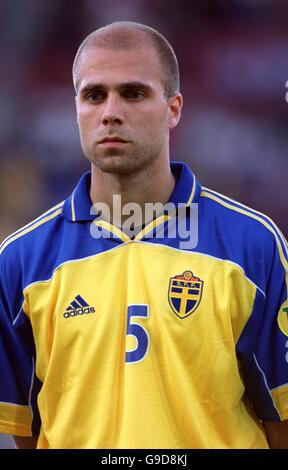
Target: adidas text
[79, 311]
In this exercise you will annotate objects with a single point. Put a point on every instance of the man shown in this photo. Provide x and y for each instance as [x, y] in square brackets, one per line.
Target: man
[121, 335]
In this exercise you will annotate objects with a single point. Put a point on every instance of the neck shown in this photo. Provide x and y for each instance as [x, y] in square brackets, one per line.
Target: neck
[150, 185]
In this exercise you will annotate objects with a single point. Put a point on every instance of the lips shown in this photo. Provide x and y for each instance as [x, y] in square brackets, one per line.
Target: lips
[112, 139]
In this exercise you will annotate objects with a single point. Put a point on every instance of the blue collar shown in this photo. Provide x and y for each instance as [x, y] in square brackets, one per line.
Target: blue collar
[77, 207]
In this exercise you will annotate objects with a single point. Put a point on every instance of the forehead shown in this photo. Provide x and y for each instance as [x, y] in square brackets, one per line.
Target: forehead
[111, 66]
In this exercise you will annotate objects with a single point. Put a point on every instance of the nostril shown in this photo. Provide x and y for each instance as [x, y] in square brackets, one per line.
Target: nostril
[111, 120]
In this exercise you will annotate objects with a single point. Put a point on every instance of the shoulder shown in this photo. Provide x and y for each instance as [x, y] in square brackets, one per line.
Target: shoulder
[28, 235]
[239, 220]
[244, 236]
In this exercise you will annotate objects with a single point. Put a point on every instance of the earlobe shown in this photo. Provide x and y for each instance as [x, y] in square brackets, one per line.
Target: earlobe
[175, 108]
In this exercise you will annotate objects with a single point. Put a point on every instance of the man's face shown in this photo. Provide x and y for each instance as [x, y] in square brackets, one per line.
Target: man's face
[123, 116]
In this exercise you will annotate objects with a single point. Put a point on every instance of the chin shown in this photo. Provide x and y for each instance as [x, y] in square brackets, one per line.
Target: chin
[116, 164]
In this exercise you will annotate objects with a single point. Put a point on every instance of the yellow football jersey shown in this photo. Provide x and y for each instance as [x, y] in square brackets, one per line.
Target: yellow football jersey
[113, 342]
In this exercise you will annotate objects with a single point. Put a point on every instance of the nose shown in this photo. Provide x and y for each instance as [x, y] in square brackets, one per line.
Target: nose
[112, 112]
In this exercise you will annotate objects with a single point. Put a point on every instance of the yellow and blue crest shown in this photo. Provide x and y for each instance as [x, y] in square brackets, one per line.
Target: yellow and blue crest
[185, 292]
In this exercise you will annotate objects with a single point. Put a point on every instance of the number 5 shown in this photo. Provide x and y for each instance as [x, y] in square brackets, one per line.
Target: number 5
[138, 331]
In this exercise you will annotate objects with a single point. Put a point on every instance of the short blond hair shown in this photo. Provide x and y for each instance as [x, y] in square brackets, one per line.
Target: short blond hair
[121, 35]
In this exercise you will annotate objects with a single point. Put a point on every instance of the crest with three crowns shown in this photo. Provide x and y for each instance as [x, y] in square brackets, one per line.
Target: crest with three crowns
[184, 294]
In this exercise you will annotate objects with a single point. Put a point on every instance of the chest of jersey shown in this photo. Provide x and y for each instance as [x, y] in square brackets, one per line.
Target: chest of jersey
[143, 334]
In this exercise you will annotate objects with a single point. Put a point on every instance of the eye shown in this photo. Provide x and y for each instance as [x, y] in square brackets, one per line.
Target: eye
[134, 95]
[95, 96]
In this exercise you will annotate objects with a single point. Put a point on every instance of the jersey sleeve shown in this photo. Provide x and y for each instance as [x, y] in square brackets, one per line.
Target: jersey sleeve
[18, 386]
[263, 345]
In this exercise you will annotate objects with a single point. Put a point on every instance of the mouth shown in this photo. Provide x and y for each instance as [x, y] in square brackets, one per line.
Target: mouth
[112, 141]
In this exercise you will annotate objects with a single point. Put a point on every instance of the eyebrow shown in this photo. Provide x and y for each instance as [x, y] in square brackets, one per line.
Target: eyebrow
[121, 86]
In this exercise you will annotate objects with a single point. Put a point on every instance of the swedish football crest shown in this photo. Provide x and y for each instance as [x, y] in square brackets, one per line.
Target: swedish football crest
[185, 292]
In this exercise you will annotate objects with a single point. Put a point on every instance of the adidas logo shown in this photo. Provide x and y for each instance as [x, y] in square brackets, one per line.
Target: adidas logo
[78, 307]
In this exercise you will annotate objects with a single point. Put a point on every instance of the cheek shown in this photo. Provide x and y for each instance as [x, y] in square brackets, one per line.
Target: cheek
[157, 124]
[153, 118]
[85, 123]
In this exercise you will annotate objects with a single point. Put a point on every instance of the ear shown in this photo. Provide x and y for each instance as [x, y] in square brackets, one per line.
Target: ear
[76, 104]
[76, 100]
[175, 104]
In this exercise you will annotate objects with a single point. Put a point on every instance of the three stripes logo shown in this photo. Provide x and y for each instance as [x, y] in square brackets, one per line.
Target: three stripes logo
[78, 307]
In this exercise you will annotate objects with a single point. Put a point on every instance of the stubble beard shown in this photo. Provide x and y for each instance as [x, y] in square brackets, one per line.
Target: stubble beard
[124, 161]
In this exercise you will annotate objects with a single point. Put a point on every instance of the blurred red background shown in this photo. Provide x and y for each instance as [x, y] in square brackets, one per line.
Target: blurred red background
[234, 66]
